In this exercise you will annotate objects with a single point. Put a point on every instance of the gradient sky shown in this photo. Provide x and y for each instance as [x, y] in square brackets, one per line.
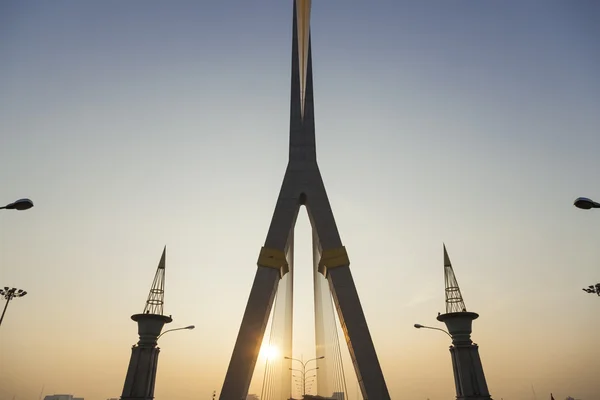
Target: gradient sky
[135, 124]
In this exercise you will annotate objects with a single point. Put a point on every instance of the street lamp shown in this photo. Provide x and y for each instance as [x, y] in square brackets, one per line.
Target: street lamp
[9, 294]
[299, 377]
[303, 371]
[593, 289]
[419, 326]
[176, 329]
[585, 204]
[19, 205]
[303, 377]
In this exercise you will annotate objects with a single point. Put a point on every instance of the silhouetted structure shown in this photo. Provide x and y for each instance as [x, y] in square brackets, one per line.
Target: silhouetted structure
[10, 294]
[62, 397]
[303, 186]
[469, 378]
[141, 373]
[593, 289]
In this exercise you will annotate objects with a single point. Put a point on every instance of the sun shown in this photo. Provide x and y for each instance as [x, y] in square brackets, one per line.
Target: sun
[269, 352]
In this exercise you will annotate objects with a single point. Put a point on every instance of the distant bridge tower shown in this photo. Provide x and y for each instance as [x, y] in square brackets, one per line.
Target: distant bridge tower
[141, 374]
[466, 364]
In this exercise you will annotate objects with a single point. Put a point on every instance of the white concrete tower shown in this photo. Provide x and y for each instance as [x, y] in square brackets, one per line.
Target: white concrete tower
[466, 364]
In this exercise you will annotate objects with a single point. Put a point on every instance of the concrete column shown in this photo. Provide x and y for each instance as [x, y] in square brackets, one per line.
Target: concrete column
[468, 370]
[141, 373]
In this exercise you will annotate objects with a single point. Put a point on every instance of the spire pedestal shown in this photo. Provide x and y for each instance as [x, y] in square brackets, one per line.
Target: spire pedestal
[143, 364]
[468, 371]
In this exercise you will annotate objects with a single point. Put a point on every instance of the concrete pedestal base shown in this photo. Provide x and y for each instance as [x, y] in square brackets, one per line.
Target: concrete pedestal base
[141, 373]
[466, 364]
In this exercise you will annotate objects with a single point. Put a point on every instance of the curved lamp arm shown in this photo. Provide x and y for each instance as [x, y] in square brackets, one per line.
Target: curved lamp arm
[419, 326]
[302, 362]
[176, 329]
[313, 359]
[293, 359]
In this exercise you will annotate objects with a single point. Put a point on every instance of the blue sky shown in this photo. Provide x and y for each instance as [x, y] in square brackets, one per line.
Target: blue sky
[132, 125]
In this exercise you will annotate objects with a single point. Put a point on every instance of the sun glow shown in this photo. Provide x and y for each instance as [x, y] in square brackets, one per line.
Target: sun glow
[269, 352]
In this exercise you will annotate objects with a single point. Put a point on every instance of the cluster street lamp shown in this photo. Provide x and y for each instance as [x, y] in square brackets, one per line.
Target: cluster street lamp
[303, 371]
[419, 326]
[176, 329]
[9, 294]
[585, 203]
[19, 205]
[305, 382]
[593, 289]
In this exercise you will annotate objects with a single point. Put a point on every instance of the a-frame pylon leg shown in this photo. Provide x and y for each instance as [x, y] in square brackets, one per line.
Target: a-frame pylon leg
[272, 265]
[335, 266]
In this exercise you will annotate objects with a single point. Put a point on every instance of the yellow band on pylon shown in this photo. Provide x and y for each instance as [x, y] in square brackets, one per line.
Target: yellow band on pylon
[273, 258]
[333, 258]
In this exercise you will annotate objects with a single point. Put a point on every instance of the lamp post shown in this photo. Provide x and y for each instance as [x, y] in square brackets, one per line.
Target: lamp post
[419, 326]
[304, 379]
[303, 371]
[176, 329]
[302, 384]
[585, 203]
[9, 294]
[19, 205]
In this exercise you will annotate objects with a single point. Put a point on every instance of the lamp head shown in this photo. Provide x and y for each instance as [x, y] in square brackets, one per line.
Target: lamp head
[418, 326]
[20, 205]
[585, 204]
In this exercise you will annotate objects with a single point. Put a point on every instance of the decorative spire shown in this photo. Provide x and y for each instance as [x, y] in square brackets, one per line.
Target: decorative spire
[303, 27]
[454, 299]
[156, 297]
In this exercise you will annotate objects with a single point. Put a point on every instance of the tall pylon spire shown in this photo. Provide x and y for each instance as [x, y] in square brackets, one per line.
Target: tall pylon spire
[303, 43]
[454, 299]
[156, 297]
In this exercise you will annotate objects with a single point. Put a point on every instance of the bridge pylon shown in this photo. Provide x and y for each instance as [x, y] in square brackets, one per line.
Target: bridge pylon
[303, 186]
